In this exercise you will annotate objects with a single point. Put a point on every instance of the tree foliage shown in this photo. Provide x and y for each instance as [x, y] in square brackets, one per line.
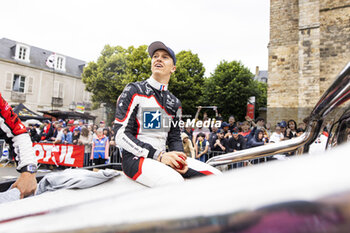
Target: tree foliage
[115, 68]
[229, 88]
[188, 81]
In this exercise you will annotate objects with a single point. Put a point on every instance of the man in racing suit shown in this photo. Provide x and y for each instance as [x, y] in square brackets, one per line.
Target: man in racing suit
[15, 134]
[147, 119]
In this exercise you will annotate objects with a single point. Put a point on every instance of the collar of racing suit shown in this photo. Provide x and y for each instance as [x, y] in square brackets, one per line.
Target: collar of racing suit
[157, 85]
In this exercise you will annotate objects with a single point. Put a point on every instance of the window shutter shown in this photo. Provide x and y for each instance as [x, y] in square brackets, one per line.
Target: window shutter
[30, 84]
[56, 87]
[8, 85]
[86, 96]
[61, 90]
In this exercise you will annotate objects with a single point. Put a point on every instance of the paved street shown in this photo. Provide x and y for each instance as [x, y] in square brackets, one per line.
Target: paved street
[7, 173]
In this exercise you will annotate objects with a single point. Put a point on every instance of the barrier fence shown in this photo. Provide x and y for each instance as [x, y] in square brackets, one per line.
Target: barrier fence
[68, 155]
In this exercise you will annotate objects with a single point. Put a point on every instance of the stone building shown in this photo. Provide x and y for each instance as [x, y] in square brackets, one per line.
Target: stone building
[28, 77]
[309, 45]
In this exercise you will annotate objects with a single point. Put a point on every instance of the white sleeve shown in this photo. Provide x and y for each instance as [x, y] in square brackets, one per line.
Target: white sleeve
[24, 149]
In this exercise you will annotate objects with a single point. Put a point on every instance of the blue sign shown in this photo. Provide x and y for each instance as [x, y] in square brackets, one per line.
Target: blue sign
[152, 119]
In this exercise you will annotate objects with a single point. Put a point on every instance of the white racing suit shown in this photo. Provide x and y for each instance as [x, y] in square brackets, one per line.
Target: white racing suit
[147, 119]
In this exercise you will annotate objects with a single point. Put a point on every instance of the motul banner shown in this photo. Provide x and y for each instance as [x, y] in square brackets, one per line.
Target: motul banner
[250, 110]
[251, 107]
[59, 154]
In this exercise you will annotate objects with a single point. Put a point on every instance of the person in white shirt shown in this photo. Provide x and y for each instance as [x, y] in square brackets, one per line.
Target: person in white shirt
[60, 134]
[277, 136]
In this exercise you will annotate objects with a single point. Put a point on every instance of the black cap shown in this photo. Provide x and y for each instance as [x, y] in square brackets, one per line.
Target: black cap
[157, 45]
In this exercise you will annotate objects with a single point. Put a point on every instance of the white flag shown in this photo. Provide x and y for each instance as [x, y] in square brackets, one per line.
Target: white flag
[50, 61]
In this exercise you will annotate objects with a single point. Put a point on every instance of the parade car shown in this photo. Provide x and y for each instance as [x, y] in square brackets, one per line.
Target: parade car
[307, 193]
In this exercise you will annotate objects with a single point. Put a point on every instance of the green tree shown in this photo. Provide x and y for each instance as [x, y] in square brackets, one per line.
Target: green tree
[188, 80]
[260, 95]
[116, 67]
[229, 88]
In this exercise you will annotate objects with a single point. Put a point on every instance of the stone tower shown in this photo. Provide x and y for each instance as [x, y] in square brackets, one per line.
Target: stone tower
[309, 45]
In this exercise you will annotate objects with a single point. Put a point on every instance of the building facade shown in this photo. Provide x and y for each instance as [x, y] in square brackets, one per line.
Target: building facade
[41, 79]
[309, 45]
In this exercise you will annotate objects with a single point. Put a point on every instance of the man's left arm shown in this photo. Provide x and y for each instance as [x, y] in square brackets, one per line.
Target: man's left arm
[16, 133]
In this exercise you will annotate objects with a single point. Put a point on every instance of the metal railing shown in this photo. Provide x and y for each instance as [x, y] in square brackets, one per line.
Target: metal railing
[337, 94]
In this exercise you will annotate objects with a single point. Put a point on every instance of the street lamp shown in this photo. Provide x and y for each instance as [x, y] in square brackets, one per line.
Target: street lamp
[72, 106]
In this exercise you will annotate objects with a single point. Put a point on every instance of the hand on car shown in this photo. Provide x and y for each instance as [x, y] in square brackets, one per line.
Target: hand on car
[26, 184]
[176, 160]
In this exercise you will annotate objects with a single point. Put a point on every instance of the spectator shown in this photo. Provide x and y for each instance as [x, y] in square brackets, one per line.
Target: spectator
[71, 125]
[75, 125]
[245, 129]
[33, 133]
[277, 136]
[37, 128]
[91, 129]
[76, 135]
[100, 148]
[86, 140]
[291, 130]
[199, 130]
[200, 123]
[231, 123]
[268, 129]
[55, 131]
[225, 127]
[59, 134]
[188, 148]
[102, 125]
[112, 137]
[283, 126]
[258, 124]
[300, 131]
[47, 131]
[217, 115]
[302, 126]
[94, 131]
[258, 139]
[213, 136]
[62, 122]
[189, 132]
[202, 147]
[81, 124]
[220, 144]
[107, 133]
[236, 142]
[68, 136]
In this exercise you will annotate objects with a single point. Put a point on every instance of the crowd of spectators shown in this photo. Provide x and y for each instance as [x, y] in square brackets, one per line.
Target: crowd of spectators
[96, 139]
[200, 143]
[203, 143]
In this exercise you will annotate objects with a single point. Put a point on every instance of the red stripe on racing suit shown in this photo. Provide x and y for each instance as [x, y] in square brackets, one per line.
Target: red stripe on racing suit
[136, 99]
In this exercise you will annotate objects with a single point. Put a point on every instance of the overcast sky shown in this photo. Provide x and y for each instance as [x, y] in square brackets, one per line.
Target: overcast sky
[216, 30]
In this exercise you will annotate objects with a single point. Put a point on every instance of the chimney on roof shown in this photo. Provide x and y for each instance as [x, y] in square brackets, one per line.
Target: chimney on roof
[257, 71]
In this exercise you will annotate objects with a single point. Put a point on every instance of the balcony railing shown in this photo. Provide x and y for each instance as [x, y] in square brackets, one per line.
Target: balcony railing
[18, 97]
[57, 102]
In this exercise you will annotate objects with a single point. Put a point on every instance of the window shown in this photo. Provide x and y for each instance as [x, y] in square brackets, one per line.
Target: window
[58, 90]
[60, 63]
[18, 83]
[86, 96]
[9, 80]
[22, 52]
